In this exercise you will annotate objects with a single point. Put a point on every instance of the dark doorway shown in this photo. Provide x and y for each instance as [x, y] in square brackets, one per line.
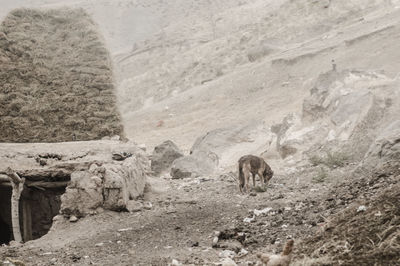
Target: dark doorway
[37, 207]
[5, 215]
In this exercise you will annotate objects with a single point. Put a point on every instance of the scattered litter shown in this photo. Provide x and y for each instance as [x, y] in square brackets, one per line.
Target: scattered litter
[284, 226]
[125, 229]
[99, 244]
[227, 262]
[227, 254]
[288, 208]
[215, 241]
[46, 253]
[378, 214]
[175, 263]
[242, 253]
[263, 211]
[168, 247]
[362, 208]
[249, 220]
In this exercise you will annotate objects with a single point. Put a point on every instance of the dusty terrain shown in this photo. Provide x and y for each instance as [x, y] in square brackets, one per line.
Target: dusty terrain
[185, 215]
[249, 77]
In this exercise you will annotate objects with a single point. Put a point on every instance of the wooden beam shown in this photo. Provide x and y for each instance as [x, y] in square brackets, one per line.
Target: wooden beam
[4, 178]
[15, 196]
[13, 175]
[27, 220]
[44, 184]
[6, 184]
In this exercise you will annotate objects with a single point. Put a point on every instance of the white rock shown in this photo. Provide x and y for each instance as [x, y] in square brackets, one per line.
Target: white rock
[175, 263]
[228, 262]
[99, 244]
[263, 211]
[147, 205]
[57, 218]
[362, 208]
[115, 137]
[249, 220]
[73, 219]
[227, 254]
[46, 253]
[243, 252]
[215, 241]
[125, 229]
[134, 206]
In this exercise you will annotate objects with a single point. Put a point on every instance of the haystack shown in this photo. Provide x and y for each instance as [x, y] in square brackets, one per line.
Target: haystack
[56, 81]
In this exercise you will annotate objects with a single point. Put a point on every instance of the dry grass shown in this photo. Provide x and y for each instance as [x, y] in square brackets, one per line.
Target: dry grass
[260, 189]
[321, 176]
[331, 159]
[55, 78]
[370, 237]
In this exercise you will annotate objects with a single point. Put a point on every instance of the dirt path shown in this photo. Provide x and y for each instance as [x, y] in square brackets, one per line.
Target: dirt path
[181, 225]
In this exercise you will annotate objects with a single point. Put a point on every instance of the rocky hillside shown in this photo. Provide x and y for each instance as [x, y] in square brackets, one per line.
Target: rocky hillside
[56, 80]
[311, 86]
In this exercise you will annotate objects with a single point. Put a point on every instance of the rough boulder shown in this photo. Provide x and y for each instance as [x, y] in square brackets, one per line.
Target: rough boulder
[163, 156]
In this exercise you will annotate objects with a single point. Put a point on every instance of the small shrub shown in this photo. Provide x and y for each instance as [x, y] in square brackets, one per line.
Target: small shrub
[336, 159]
[260, 189]
[316, 160]
[331, 160]
[321, 176]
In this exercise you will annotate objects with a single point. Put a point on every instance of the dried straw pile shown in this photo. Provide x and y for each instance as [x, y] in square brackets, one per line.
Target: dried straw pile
[55, 78]
[354, 237]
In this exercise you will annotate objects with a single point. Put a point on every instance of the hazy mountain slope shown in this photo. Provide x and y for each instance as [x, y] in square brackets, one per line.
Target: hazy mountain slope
[262, 71]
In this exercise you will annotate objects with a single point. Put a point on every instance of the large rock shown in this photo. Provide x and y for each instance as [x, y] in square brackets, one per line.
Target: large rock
[163, 156]
[196, 164]
[384, 153]
[230, 143]
[343, 110]
[109, 185]
[83, 195]
[346, 100]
